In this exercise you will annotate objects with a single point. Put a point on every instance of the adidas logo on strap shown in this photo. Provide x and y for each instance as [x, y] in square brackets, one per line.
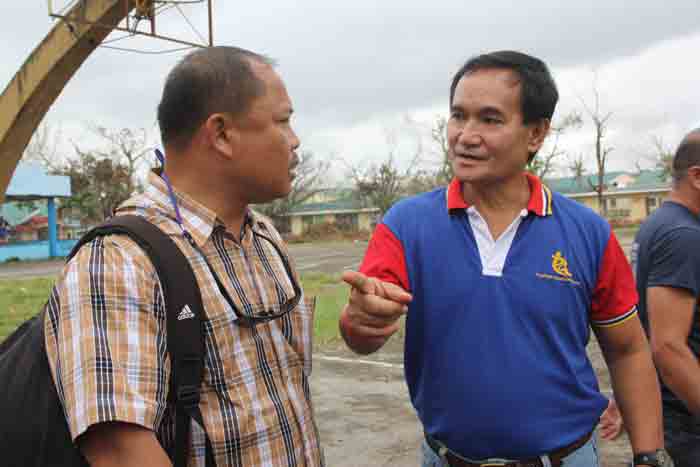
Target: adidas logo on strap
[186, 313]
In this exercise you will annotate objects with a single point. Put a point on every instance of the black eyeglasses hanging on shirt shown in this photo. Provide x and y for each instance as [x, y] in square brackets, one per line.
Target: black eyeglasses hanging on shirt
[245, 319]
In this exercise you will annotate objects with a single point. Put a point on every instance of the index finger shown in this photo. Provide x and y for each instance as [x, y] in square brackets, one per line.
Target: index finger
[359, 281]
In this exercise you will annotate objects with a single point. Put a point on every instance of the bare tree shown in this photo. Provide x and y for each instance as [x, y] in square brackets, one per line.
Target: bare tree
[310, 173]
[545, 162]
[439, 136]
[99, 185]
[662, 157]
[44, 146]
[578, 169]
[600, 122]
[381, 185]
[126, 145]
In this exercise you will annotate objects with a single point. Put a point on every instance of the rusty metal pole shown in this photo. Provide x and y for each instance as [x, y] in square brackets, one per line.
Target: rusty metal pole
[211, 27]
[44, 74]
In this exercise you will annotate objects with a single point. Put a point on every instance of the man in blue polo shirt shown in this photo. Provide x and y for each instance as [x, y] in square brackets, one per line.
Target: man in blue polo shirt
[501, 280]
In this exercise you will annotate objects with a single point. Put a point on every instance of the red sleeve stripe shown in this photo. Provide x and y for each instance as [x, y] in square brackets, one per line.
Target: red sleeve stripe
[615, 294]
[616, 321]
[384, 258]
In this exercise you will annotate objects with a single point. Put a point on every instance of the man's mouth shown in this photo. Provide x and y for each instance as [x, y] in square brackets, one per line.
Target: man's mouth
[293, 167]
[471, 157]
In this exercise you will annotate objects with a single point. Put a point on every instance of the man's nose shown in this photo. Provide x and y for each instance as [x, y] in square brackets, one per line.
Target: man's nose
[469, 135]
[294, 140]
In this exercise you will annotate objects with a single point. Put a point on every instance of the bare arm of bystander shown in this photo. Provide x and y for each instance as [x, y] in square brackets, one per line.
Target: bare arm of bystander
[118, 444]
[671, 313]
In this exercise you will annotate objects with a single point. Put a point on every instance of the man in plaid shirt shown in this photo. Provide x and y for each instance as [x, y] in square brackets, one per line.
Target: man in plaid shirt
[225, 125]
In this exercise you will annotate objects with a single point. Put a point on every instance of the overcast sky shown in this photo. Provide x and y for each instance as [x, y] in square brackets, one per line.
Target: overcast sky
[357, 71]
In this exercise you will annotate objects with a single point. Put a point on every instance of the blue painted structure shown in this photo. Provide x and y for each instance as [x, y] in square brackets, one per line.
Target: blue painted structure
[31, 182]
[34, 250]
[53, 237]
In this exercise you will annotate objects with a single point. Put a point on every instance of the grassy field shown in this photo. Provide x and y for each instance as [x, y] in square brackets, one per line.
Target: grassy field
[20, 300]
[23, 298]
[331, 294]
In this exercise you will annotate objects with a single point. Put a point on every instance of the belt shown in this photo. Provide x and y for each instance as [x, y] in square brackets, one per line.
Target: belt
[555, 458]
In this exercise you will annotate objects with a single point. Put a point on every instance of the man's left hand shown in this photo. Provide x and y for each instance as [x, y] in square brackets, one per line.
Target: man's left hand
[610, 422]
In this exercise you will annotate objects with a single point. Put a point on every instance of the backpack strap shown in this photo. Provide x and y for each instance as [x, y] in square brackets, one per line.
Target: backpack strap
[185, 312]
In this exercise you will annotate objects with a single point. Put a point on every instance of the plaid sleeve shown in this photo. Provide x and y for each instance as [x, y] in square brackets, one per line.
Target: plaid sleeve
[105, 337]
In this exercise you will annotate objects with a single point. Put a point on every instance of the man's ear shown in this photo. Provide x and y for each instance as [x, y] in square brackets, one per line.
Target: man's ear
[222, 134]
[694, 176]
[538, 132]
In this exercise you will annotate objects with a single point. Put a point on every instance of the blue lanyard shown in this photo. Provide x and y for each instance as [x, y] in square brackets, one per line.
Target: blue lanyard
[171, 193]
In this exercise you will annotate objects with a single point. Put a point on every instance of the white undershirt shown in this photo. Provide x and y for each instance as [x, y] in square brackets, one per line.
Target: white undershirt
[493, 253]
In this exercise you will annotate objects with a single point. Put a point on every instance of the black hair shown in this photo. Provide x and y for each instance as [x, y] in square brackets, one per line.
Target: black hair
[204, 82]
[539, 93]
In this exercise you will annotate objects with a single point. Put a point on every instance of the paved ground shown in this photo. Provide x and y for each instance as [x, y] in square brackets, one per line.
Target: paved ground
[364, 415]
[329, 258]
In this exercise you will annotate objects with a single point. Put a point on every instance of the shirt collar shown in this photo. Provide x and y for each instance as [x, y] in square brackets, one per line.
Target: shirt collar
[197, 219]
[540, 202]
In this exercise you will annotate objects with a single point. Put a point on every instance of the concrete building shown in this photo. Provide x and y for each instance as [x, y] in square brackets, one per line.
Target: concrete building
[630, 197]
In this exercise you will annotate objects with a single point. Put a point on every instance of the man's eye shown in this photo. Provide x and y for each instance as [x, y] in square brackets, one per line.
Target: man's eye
[492, 120]
[456, 115]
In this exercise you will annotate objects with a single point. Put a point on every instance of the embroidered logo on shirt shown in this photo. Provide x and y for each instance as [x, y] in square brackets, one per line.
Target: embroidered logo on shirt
[560, 264]
[561, 267]
[186, 313]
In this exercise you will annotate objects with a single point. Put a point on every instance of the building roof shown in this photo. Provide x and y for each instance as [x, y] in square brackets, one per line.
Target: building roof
[347, 205]
[615, 182]
[16, 214]
[30, 181]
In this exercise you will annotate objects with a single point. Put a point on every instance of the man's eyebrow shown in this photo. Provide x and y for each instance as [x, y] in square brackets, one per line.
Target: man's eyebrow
[483, 110]
[490, 110]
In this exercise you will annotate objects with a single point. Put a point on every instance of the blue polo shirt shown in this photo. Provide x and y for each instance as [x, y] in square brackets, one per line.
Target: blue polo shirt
[496, 364]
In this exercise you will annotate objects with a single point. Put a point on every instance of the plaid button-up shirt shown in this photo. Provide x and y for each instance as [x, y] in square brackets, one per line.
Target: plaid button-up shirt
[106, 343]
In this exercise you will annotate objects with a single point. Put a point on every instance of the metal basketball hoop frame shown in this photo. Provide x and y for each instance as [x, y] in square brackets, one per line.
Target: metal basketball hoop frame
[137, 12]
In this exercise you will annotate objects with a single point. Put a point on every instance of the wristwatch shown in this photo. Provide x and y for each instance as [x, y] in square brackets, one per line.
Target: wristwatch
[658, 458]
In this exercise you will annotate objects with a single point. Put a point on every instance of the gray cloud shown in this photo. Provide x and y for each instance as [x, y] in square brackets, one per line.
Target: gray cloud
[350, 62]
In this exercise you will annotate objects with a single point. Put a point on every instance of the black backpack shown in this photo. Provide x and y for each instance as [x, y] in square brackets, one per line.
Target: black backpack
[33, 428]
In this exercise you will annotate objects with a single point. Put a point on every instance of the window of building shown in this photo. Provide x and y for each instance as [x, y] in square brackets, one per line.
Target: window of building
[348, 222]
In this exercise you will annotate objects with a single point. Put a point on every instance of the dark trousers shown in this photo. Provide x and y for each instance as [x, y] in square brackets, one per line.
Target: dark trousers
[682, 435]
